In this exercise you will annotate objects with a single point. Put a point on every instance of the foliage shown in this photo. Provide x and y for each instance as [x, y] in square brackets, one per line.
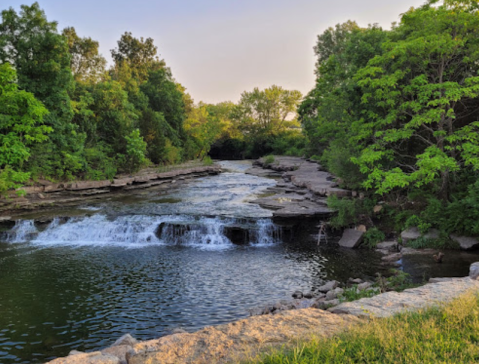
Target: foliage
[135, 151]
[353, 293]
[21, 126]
[349, 211]
[373, 236]
[396, 112]
[269, 159]
[444, 334]
[87, 65]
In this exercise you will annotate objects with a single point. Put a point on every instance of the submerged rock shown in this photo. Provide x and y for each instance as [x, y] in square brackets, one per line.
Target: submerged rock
[297, 294]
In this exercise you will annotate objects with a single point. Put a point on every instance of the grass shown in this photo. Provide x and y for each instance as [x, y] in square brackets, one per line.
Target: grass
[449, 334]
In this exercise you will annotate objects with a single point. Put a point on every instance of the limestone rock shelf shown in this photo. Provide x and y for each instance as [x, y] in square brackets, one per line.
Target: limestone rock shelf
[45, 194]
[303, 191]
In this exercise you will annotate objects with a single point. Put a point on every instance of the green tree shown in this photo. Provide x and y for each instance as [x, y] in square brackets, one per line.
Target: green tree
[21, 126]
[140, 55]
[87, 65]
[423, 94]
[135, 151]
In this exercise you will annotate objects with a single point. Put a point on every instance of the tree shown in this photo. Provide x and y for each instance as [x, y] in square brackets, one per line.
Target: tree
[31, 44]
[21, 126]
[267, 112]
[140, 55]
[423, 94]
[87, 65]
[166, 97]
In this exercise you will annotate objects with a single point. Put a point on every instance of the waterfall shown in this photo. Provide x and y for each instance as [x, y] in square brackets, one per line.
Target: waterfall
[135, 231]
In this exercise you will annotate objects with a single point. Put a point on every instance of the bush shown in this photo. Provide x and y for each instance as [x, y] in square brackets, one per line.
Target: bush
[135, 152]
[269, 159]
[373, 236]
[349, 211]
[207, 161]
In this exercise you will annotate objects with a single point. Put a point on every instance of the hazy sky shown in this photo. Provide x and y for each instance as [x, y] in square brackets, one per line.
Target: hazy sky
[219, 48]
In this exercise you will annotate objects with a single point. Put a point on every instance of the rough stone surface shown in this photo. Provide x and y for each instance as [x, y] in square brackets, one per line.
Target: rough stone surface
[392, 257]
[236, 341]
[388, 245]
[126, 339]
[364, 286]
[297, 294]
[412, 233]
[465, 242]
[95, 357]
[474, 271]
[46, 194]
[390, 303]
[118, 351]
[333, 294]
[304, 192]
[351, 238]
[328, 286]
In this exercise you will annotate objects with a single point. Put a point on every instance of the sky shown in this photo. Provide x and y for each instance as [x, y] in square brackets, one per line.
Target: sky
[218, 49]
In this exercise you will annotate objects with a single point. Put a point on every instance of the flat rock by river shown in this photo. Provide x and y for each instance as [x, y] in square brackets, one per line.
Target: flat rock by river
[304, 189]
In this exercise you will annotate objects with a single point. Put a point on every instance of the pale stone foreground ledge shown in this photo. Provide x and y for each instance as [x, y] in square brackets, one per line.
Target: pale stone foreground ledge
[228, 343]
[391, 303]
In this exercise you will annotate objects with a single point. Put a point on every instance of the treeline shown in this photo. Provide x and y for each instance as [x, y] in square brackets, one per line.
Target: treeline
[396, 113]
[65, 115]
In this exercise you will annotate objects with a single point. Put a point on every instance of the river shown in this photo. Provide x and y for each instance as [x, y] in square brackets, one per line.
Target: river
[151, 262]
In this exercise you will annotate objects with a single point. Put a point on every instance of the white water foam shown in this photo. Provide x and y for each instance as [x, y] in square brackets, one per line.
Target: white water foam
[136, 231]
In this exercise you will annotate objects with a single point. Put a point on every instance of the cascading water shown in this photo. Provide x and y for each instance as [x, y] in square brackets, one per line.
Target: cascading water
[134, 231]
[24, 230]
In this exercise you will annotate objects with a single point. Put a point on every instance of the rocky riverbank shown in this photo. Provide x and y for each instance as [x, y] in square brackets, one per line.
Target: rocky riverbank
[45, 194]
[303, 191]
[245, 338]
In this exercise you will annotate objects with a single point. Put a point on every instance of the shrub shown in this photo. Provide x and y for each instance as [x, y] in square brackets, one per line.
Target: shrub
[373, 236]
[269, 159]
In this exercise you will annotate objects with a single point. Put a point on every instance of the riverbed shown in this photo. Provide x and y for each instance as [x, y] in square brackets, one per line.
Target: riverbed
[187, 256]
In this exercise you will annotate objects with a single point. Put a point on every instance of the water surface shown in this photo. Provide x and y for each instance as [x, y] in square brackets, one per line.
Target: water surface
[151, 262]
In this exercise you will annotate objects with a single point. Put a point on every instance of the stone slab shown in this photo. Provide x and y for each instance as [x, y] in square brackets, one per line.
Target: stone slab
[351, 238]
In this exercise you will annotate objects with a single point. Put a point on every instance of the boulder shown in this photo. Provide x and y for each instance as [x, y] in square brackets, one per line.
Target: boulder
[119, 352]
[364, 286]
[362, 228]
[412, 233]
[355, 280]
[324, 305]
[331, 295]
[465, 242]
[298, 294]
[392, 257]
[388, 245]
[351, 238]
[95, 357]
[474, 270]
[328, 286]
[126, 339]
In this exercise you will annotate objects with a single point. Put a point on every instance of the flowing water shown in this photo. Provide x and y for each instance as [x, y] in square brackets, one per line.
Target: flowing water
[189, 256]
